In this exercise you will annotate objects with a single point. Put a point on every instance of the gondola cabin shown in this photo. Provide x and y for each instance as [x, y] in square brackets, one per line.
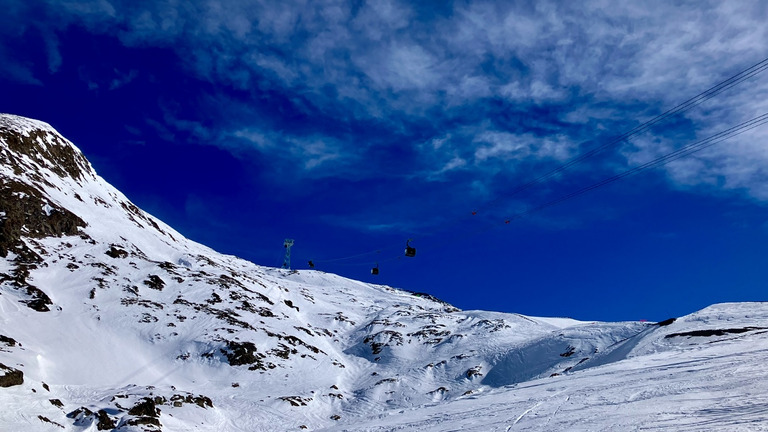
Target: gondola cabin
[409, 251]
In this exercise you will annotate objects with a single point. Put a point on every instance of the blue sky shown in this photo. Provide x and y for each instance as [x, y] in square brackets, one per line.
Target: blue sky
[352, 126]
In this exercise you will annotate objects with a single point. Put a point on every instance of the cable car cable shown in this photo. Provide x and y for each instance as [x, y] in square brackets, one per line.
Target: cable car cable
[700, 98]
[662, 160]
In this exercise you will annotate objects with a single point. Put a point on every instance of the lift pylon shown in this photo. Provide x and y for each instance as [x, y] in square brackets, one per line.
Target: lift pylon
[287, 260]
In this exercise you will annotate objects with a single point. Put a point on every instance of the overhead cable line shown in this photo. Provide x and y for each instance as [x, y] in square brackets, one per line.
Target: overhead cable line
[663, 160]
[713, 91]
[349, 257]
[700, 98]
[659, 161]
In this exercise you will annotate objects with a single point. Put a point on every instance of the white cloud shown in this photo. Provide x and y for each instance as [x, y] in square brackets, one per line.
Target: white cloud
[313, 154]
[52, 50]
[509, 146]
[17, 72]
[590, 66]
[502, 145]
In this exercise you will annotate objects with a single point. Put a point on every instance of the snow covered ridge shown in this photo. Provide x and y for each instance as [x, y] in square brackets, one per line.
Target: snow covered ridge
[111, 320]
[30, 145]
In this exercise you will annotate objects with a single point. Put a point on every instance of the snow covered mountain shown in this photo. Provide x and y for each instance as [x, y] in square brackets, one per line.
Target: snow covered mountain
[111, 320]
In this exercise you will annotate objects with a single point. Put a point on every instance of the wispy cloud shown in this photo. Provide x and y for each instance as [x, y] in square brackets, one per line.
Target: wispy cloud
[312, 153]
[123, 79]
[17, 72]
[502, 84]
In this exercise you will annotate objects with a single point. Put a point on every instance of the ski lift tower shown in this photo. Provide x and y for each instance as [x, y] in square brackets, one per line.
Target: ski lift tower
[287, 260]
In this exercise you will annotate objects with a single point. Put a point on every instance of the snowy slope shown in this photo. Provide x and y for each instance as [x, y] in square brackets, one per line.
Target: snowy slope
[704, 372]
[116, 321]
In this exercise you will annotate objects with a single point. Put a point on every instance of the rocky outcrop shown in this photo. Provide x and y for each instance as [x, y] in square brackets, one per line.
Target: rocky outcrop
[10, 377]
[37, 143]
[25, 212]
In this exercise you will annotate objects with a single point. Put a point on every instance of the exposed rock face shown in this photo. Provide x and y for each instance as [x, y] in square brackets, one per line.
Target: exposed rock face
[10, 377]
[144, 411]
[25, 211]
[104, 421]
[43, 147]
[32, 150]
[243, 353]
[145, 408]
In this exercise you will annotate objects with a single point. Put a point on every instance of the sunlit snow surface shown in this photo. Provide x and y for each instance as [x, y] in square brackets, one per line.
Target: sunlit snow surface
[332, 353]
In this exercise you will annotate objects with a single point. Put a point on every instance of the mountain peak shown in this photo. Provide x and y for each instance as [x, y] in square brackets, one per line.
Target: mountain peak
[42, 146]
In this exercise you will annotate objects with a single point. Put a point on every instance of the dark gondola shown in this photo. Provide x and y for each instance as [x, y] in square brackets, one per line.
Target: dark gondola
[409, 251]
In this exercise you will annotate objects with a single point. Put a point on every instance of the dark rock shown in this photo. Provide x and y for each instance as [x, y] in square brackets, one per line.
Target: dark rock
[138, 421]
[473, 372]
[439, 390]
[26, 260]
[383, 339]
[243, 353]
[715, 332]
[104, 421]
[666, 322]
[447, 307]
[40, 302]
[59, 156]
[47, 420]
[145, 408]
[24, 215]
[80, 413]
[10, 377]
[296, 400]
[84, 417]
[569, 352]
[386, 380]
[116, 252]
[10, 342]
[155, 282]
[201, 401]
[215, 298]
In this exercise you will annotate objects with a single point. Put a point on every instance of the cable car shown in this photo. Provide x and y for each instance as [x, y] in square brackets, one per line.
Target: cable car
[375, 270]
[409, 251]
[311, 264]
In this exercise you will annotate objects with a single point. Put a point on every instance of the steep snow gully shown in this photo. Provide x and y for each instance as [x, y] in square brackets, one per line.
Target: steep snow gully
[112, 320]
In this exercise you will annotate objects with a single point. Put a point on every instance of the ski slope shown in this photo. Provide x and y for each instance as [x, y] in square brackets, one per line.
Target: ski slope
[117, 322]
